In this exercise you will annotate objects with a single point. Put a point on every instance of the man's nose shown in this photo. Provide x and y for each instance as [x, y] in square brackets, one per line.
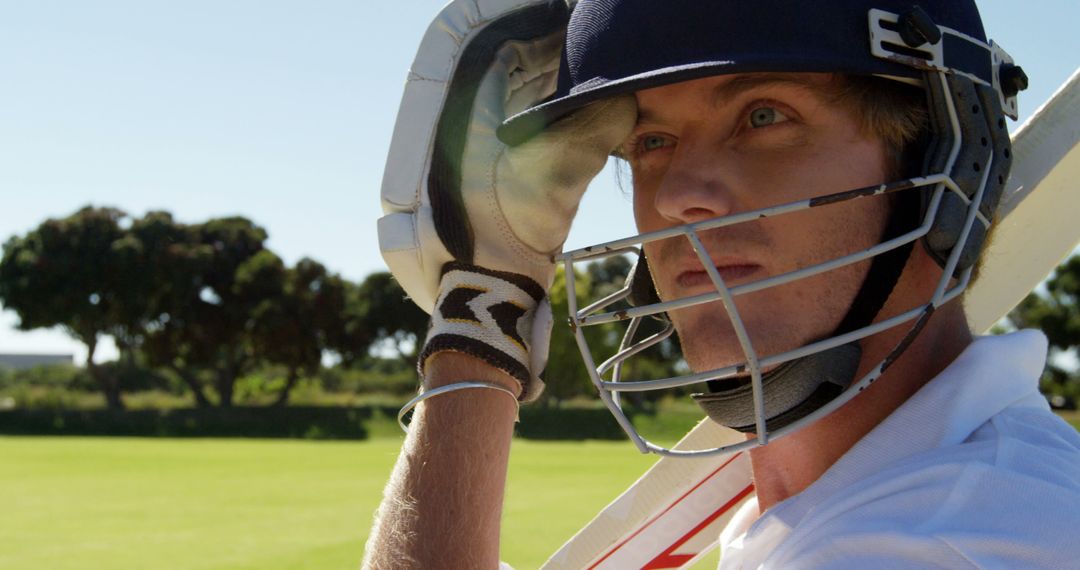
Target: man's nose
[698, 184]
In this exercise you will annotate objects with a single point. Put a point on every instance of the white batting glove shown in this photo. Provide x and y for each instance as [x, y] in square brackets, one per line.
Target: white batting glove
[471, 225]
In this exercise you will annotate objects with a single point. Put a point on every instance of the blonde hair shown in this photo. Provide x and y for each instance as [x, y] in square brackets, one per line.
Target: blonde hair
[894, 112]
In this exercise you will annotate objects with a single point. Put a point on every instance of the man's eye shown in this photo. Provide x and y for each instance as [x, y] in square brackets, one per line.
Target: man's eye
[653, 142]
[765, 116]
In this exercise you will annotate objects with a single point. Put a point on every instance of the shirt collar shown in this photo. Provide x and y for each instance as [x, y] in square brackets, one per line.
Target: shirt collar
[991, 374]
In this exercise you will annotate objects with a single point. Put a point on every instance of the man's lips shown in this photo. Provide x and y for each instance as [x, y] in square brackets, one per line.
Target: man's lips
[731, 274]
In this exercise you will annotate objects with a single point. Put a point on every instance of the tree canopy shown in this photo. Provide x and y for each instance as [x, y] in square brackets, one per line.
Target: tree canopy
[1056, 311]
[207, 301]
[67, 272]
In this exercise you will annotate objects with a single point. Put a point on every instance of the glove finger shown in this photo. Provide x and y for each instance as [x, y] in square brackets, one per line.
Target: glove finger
[535, 75]
[521, 74]
[540, 183]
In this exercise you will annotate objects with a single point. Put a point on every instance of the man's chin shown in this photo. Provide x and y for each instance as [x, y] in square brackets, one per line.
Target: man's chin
[714, 350]
[705, 358]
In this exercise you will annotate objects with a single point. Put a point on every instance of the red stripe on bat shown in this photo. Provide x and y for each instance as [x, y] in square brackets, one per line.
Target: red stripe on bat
[664, 512]
[669, 560]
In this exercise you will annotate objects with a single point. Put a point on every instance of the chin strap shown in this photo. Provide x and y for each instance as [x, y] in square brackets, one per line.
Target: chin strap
[791, 391]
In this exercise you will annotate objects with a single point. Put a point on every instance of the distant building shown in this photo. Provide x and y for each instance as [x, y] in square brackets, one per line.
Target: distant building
[20, 361]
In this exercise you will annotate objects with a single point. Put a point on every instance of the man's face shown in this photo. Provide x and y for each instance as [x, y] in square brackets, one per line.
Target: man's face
[723, 145]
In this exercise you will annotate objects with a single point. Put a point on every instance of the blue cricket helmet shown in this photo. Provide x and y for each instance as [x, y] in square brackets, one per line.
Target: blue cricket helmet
[622, 46]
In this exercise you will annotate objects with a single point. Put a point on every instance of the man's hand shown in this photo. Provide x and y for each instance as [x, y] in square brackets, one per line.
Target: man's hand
[472, 240]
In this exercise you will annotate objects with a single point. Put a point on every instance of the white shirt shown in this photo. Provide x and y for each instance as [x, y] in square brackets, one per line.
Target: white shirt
[972, 471]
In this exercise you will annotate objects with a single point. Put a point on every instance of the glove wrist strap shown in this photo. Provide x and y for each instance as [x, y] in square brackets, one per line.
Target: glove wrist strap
[488, 315]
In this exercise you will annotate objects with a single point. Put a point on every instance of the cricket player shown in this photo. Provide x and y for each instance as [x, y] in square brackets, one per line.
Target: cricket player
[813, 183]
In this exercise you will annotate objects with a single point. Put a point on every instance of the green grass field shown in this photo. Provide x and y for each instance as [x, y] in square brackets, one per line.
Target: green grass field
[123, 503]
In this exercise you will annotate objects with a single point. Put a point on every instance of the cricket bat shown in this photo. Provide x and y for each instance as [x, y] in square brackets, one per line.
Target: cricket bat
[672, 516]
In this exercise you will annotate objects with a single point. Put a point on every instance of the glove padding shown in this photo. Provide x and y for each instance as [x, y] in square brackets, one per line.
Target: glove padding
[453, 193]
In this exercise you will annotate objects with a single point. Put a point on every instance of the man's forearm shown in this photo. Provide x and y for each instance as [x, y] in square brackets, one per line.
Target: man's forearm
[443, 504]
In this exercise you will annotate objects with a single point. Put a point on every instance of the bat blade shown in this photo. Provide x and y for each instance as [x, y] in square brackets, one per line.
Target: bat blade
[671, 516]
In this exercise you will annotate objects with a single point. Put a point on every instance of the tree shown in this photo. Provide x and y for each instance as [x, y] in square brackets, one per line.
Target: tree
[64, 273]
[1057, 313]
[147, 259]
[609, 274]
[207, 323]
[390, 318]
[349, 335]
[164, 265]
[294, 328]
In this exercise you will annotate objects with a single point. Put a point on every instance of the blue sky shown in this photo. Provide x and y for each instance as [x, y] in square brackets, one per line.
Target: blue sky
[279, 111]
